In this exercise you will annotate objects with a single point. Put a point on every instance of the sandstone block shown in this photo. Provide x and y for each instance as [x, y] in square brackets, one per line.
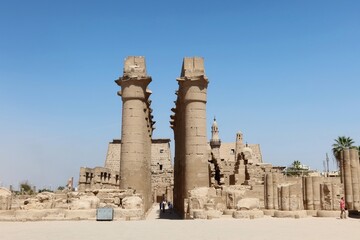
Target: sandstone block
[248, 204]
[213, 214]
[130, 214]
[199, 214]
[85, 202]
[132, 202]
[290, 214]
[5, 199]
[251, 214]
[332, 214]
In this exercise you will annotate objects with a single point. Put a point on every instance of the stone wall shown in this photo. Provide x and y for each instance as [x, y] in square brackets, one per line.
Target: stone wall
[5, 199]
[162, 173]
[112, 160]
[98, 178]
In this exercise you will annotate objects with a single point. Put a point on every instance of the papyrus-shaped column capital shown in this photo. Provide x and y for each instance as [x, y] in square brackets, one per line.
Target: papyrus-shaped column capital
[193, 81]
[134, 81]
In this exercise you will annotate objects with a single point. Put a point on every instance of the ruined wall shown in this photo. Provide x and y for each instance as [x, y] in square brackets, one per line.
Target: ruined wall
[162, 178]
[227, 152]
[112, 160]
[98, 178]
[5, 199]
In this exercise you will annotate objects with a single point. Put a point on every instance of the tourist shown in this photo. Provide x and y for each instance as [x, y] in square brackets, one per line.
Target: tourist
[170, 206]
[163, 205]
[342, 208]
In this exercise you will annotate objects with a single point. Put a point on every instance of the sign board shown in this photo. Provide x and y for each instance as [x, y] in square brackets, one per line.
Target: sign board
[104, 214]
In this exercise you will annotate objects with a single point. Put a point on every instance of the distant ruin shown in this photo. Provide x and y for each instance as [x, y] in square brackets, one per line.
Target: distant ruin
[209, 178]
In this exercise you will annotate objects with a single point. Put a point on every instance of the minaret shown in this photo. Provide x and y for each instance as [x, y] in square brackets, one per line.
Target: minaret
[239, 142]
[215, 140]
[136, 130]
[239, 146]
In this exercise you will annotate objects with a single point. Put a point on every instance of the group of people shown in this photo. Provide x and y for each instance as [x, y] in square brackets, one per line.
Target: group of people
[163, 204]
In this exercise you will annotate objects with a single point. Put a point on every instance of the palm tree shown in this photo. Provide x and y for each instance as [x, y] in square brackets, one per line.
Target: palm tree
[296, 164]
[296, 169]
[340, 144]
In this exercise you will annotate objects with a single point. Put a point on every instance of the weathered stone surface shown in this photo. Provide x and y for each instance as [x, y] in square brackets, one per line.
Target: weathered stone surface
[5, 199]
[199, 214]
[248, 204]
[220, 206]
[251, 214]
[290, 214]
[213, 214]
[85, 202]
[136, 130]
[332, 214]
[132, 202]
[229, 211]
[269, 212]
[128, 214]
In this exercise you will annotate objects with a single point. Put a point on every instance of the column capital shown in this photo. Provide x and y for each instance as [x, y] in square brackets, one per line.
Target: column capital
[134, 87]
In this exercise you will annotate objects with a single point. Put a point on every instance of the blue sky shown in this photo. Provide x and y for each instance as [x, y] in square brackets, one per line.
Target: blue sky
[285, 73]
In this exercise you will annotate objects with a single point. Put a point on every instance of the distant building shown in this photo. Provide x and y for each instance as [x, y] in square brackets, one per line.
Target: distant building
[108, 177]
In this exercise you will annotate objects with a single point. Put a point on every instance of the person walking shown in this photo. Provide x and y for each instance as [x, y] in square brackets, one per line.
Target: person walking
[163, 205]
[342, 208]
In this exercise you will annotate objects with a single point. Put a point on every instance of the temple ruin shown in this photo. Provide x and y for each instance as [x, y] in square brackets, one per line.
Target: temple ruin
[209, 179]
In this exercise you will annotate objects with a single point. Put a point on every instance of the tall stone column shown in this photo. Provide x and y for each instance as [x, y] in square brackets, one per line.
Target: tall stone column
[345, 158]
[354, 165]
[269, 191]
[275, 190]
[194, 86]
[136, 131]
[189, 124]
[294, 197]
[316, 192]
[309, 194]
[285, 197]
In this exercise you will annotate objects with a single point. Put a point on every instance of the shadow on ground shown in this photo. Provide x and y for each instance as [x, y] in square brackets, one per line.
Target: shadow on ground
[168, 214]
[354, 214]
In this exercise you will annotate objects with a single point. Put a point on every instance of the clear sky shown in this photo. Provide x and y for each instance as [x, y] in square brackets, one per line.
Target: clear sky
[285, 73]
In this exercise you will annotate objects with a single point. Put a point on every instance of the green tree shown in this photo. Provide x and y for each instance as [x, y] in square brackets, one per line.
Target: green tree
[45, 190]
[340, 144]
[296, 164]
[25, 187]
[296, 169]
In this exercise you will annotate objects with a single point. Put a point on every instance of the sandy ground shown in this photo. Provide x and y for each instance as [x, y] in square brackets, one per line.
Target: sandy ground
[264, 228]
[168, 226]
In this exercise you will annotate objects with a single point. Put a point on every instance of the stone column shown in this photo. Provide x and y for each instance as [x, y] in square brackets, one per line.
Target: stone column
[354, 166]
[275, 190]
[316, 192]
[326, 196]
[309, 194]
[269, 191]
[189, 124]
[193, 85]
[135, 171]
[285, 198]
[294, 198]
[348, 191]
